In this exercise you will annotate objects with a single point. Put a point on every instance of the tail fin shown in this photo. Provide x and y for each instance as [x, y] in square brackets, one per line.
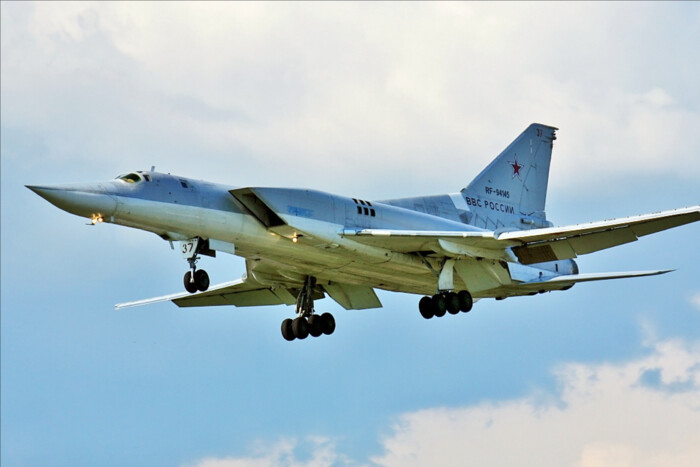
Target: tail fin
[512, 190]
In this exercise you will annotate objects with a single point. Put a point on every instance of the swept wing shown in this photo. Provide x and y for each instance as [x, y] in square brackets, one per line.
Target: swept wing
[276, 290]
[242, 292]
[529, 246]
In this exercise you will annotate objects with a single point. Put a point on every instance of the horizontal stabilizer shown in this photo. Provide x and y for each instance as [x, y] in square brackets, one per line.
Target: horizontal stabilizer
[549, 284]
[599, 276]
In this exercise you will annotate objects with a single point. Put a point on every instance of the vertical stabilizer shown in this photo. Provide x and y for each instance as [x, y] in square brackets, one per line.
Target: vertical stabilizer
[511, 192]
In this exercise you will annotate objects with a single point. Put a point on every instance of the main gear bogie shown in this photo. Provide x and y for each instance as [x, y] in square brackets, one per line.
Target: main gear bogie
[446, 302]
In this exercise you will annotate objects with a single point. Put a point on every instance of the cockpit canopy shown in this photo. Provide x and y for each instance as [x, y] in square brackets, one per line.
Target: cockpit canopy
[134, 177]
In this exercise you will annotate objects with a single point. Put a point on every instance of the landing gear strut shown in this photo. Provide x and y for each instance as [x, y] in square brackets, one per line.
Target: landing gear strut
[307, 323]
[195, 279]
[445, 302]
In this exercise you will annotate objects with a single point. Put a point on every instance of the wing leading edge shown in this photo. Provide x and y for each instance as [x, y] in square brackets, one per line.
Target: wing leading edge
[241, 292]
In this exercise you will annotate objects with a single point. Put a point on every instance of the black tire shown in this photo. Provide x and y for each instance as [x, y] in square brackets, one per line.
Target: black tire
[465, 301]
[452, 303]
[287, 331]
[315, 325]
[327, 323]
[426, 307]
[300, 328]
[201, 279]
[191, 287]
[439, 305]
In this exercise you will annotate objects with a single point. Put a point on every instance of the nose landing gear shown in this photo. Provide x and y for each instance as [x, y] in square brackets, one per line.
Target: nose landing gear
[307, 323]
[195, 279]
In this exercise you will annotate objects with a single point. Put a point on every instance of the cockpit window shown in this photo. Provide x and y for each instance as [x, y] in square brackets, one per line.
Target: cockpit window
[131, 178]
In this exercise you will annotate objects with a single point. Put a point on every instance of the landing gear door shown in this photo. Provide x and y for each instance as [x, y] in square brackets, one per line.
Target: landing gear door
[189, 248]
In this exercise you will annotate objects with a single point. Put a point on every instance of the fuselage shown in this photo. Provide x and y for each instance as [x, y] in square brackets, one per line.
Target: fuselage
[311, 243]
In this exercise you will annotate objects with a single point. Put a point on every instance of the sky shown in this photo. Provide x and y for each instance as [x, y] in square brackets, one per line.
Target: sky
[375, 101]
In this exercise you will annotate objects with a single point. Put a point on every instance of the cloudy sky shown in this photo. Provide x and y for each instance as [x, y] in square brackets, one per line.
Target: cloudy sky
[370, 100]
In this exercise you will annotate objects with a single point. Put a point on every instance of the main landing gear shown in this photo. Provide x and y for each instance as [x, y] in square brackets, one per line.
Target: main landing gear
[307, 323]
[445, 302]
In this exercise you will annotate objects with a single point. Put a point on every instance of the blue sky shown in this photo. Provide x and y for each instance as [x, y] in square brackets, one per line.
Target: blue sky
[373, 101]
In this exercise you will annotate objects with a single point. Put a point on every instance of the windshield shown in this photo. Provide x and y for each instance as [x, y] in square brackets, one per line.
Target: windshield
[130, 178]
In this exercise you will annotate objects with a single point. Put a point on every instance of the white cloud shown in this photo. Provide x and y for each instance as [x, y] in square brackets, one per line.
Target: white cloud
[644, 412]
[695, 300]
[307, 89]
[284, 452]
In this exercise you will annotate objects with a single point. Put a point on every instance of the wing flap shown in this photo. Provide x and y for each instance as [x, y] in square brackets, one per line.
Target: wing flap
[600, 240]
[570, 241]
[641, 225]
[674, 220]
[353, 297]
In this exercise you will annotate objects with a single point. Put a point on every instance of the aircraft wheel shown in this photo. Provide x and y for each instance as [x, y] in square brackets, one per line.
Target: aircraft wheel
[465, 301]
[300, 328]
[201, 279]
[452, 303]
[426, 307]
[439, 305]
[315, 325]
[327, 324]
[190, 286]
[287, 331]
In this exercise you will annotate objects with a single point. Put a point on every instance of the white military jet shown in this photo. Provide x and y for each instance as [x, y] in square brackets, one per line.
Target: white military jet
[490, 240]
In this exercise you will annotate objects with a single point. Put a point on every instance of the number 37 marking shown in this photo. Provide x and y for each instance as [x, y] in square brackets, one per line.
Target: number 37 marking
[187, 247]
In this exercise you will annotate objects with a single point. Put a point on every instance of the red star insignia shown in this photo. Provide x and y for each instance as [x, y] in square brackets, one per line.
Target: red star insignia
[516, 166]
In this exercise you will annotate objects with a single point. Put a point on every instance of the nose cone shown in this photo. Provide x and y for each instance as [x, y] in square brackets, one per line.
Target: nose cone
[81, 200]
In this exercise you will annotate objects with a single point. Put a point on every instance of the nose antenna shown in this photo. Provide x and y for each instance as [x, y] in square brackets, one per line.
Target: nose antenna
[153, 168]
